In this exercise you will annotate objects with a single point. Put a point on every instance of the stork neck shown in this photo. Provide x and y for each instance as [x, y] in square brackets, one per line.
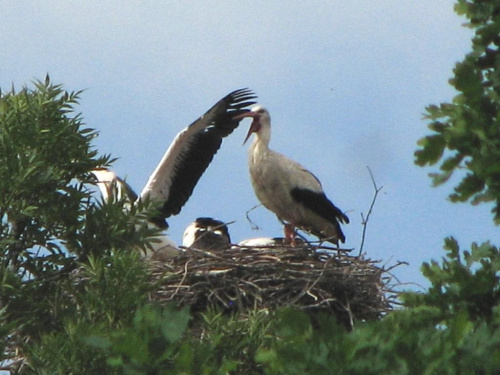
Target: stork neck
[263, 135]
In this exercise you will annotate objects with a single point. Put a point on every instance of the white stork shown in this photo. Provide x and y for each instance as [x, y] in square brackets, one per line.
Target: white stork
[182, 165]
[288, 189]
[208, 234]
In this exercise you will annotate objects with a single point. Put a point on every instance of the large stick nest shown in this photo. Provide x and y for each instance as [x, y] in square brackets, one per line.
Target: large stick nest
[238, 279]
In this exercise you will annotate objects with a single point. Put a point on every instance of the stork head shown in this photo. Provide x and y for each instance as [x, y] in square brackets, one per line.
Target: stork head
[112, 187]
[206, 233]
[261, 118]
[105, 181]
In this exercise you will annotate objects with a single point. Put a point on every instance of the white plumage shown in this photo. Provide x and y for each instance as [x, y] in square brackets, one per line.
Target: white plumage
[286, 188]
[267, 242]
[183, 164]
[113, 188]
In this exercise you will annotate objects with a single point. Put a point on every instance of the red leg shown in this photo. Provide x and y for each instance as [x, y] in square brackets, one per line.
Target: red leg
[289, 230]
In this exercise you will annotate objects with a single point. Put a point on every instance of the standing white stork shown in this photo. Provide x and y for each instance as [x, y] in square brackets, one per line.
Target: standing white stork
[184, 162]
[288, 189]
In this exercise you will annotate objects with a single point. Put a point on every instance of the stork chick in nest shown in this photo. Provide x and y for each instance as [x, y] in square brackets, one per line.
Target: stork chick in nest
[207, 234]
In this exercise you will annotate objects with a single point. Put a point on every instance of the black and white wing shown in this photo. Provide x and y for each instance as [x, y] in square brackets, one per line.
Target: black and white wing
[318, 203]
[192, 150]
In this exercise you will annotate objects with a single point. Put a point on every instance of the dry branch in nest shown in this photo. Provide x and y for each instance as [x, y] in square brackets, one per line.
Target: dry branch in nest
[242, 278]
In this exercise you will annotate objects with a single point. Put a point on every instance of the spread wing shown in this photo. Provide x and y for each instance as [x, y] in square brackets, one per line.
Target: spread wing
[192, 150]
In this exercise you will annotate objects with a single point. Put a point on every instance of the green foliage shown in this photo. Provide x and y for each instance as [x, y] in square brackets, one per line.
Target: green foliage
[50, 226]
[102, 297]
[233, 341]
[64, 352]
[45, 153]
[466, 281]
[44, 150]
[109, 289]
[451, 329]
[466, 132]
[462, 332]
[298, 348]
[159, 341]
[151, 344]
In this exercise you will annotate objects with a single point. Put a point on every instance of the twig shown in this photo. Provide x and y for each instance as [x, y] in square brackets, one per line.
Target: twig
[182, 280]
[364, 221]
[253, 225]
[308, 288]
[398, 263]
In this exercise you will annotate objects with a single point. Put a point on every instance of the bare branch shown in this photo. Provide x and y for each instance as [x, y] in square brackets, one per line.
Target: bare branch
[364, 221]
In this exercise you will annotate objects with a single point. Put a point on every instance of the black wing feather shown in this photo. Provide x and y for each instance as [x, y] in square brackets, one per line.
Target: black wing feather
[322, 206]
[192, 163]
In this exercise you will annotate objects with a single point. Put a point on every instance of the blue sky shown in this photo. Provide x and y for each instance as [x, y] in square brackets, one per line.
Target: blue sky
[346, 83]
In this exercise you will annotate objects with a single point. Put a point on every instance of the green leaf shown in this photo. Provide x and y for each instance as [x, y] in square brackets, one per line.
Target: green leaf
[467, 79]
[97, 342]
[431, 151]
[293, 323]
[471, 184]
[266, 355]
[175, 323]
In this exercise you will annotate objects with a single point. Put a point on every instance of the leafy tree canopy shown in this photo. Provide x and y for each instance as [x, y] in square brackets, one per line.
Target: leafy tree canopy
[466, 132]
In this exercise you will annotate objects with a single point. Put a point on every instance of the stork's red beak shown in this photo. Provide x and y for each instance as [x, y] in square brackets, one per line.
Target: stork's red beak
[255, 123]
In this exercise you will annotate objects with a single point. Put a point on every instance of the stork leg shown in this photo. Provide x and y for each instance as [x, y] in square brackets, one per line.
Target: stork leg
[289, 230]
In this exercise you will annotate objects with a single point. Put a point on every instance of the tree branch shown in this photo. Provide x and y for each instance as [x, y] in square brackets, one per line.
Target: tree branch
[364, 221]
